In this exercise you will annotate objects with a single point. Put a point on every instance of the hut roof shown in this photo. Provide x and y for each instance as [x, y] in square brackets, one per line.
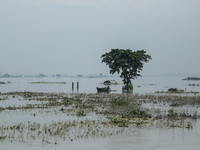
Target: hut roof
[110, 81]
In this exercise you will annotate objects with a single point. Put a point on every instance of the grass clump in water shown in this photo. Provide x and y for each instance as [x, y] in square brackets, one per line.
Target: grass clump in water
[66, 101]
[136, 113]
[118, 121]
[81, 113]
[119, 101]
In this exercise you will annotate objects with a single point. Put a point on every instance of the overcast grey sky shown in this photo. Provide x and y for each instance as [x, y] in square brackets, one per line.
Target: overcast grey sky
[69, 36]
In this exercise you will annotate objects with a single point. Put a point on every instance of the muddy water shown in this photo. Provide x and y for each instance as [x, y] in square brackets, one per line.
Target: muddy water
[127, 138]
[88, 85]
[155, 139]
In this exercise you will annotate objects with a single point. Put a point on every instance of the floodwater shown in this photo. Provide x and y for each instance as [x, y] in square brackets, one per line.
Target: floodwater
[88, 85]
[153, 138]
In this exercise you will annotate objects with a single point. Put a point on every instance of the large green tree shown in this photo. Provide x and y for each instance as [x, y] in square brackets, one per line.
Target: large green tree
[129, 63]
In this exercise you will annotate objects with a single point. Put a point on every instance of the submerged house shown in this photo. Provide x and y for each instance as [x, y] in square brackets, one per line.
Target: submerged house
[108, 82]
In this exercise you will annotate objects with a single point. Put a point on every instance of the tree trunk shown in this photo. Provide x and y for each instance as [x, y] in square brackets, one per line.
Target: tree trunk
[127, 87]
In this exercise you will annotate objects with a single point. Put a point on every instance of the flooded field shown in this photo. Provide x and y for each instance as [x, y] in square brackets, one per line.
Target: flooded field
[49, 115]
[88, 85]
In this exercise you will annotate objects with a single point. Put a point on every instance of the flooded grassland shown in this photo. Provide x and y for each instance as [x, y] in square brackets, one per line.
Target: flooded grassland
[51, 118]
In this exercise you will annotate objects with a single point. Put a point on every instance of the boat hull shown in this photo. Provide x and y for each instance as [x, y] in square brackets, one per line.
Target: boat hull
[104, 89]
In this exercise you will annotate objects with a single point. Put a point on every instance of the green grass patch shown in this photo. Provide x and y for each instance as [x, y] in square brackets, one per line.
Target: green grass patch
[119, 101]
[136, 113]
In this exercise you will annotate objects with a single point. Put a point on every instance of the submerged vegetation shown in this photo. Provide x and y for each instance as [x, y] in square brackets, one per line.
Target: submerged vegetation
[193, 84]
[178, 91]
[136, 113]
[95, 115]
[2, 82]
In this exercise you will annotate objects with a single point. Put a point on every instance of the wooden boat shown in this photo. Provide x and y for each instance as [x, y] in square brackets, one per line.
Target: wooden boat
[172, 90]
[104, 89]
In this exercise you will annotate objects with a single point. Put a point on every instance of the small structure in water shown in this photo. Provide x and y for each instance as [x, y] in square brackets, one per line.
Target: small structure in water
[109, 82]
[192, 78]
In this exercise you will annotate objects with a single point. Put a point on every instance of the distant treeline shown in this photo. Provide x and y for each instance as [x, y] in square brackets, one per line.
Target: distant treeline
[193, 84]
[47, 82]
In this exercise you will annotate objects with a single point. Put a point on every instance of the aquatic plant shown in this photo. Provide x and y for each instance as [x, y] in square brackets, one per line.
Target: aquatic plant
[172, 114]
[118, 121]
[81, 113]
[174, 105]
[111, 113]
[189, 125]
[66, 101]
[136, 113]
[119, 101]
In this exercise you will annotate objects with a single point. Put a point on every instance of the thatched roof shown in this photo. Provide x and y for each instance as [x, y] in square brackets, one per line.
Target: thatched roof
[110, 82]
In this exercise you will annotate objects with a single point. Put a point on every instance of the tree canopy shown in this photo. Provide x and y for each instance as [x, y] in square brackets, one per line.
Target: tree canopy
[129, 63]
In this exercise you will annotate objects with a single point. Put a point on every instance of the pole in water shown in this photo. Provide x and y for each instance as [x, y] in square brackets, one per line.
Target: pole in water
[77, 85]
[72, 85]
